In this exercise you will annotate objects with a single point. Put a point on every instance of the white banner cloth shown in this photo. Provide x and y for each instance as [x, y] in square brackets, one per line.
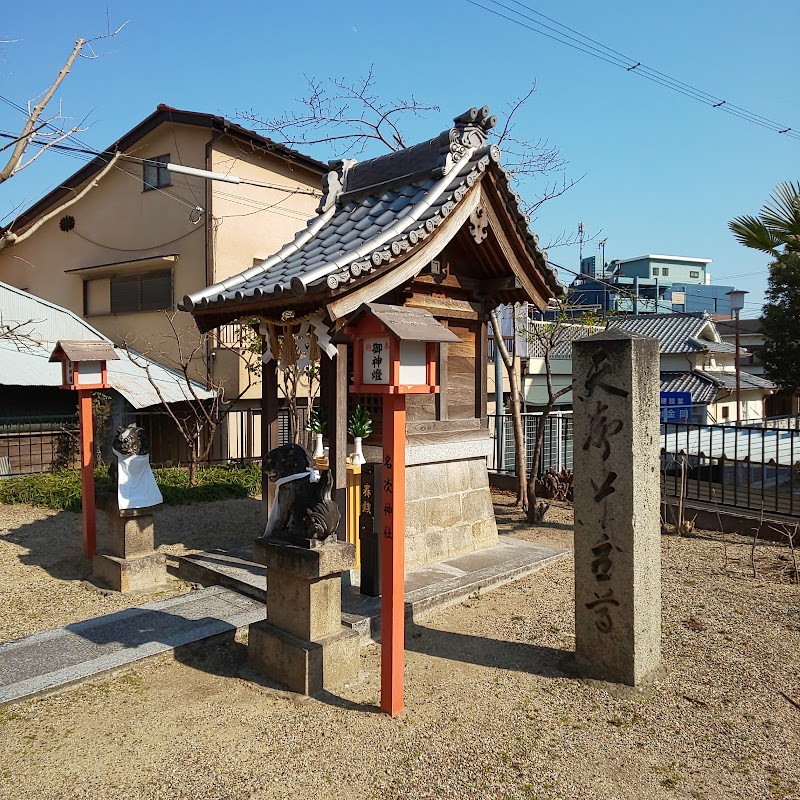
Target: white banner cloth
[310, 473]
[136, 484]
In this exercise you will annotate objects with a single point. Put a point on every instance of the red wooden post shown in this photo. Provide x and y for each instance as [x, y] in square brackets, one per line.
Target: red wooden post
[379, 334]
[87, 472]
[393, 553]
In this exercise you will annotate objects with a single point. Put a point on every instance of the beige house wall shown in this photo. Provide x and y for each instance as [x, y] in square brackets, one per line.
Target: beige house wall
[133, 230]
[253, 222]
[119, 223]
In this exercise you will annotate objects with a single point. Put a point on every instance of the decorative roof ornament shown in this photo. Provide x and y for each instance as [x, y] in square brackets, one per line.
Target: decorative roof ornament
[479, 224]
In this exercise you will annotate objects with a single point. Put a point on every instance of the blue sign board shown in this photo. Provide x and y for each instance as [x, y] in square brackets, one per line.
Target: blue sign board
[676, 406]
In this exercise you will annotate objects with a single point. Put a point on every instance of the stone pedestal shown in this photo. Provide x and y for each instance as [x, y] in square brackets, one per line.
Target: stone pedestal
[129, 562]
[617, 506]
[303, 644]
[449, 508]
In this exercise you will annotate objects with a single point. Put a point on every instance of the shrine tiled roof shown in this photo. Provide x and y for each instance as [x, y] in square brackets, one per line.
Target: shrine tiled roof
[377, 211]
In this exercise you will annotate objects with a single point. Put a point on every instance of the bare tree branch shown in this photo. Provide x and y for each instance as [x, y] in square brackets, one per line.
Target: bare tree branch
[29, 134]
[199, 420]
[9, 238]
[348, 114]
[501, 351]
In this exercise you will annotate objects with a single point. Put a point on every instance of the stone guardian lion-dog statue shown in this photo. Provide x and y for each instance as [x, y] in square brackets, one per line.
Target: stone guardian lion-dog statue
[302, 512]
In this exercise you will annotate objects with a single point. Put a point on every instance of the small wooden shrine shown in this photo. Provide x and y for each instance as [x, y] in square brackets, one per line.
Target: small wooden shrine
[437, 227]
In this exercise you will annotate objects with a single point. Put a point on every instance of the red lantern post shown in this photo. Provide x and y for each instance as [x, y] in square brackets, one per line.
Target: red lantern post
[83, 368]
[394, 354]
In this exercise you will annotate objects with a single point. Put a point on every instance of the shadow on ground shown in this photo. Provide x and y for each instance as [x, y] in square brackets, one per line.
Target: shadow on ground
[484, 652]
[511, 520]
[55, 543]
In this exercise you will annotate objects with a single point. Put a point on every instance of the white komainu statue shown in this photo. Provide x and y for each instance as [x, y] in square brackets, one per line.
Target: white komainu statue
[136, 486]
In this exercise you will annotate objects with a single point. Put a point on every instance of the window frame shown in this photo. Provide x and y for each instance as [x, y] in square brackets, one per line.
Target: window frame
[656, 271]
[140, 277]
[694, 273]
[163, 176]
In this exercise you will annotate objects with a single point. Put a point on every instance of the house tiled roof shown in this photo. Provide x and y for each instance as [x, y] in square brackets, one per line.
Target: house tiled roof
[727, 380]
[676, 333]
[703, 385]
[705, 345]
[374, 212]
[702, 389]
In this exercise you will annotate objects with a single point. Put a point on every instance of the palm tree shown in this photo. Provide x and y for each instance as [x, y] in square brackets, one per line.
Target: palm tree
[777, 225]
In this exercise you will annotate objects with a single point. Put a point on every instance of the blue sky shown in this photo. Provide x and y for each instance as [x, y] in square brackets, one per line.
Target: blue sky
[660, 173]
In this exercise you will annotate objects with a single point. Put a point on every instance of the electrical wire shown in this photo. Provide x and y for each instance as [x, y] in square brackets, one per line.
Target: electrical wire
[592, 47]
[627, 292]
[135, 249]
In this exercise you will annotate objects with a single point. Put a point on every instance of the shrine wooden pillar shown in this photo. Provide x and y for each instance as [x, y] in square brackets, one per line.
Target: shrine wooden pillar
[333, 390]
[270, 433]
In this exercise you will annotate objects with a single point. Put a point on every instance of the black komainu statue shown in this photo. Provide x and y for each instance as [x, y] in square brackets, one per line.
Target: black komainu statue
[302, 512]
[130, 440]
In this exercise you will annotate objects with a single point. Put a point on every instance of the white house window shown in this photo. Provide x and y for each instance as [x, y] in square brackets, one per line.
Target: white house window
[693, 273]
[148, 291]
[655, 270]
[155, 175]
[666, 271]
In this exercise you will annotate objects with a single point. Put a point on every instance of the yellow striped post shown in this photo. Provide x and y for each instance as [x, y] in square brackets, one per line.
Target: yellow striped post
[353, 508]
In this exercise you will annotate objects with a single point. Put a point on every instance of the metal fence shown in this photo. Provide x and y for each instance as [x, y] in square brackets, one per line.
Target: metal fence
[754, 468]
[787, 422]
[39, 444]
[750, 467]
[556, 447]
[48, 444]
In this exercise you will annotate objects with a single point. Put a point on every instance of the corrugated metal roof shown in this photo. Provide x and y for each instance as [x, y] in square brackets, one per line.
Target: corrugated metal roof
[758, 446]
[42, 320]
[25, 361]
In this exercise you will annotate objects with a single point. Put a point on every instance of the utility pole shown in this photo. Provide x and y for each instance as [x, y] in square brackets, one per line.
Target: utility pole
[602, 247]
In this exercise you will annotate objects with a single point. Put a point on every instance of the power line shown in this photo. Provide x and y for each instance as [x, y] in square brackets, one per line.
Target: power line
[592, 47]
[627, 292]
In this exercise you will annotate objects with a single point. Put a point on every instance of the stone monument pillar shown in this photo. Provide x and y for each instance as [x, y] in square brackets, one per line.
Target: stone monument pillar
[617, 506]
[130, 563]
[302, 644]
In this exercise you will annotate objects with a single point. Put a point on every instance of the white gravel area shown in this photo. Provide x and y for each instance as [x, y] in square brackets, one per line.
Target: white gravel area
[490, 712]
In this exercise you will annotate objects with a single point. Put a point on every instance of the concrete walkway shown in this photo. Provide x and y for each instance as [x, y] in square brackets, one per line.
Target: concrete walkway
[53, 659]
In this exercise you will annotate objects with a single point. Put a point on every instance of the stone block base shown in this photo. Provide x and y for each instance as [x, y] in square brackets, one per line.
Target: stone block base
[139, 574]
[130, 536]
[302, 666]
[448, 511]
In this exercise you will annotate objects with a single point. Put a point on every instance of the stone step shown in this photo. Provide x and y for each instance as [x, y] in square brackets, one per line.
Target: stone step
[230, 568]
[56, 658]
[427, 588]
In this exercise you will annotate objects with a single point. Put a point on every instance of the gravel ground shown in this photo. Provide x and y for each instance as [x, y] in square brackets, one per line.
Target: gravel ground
[43, 571]
[490, 713]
